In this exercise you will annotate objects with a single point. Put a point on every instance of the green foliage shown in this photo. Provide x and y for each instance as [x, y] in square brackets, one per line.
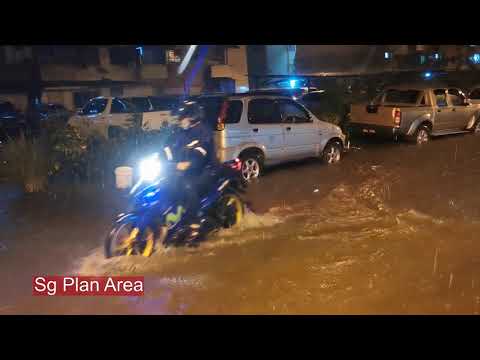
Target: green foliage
[27, 161]
[61, 152]
[68, 150]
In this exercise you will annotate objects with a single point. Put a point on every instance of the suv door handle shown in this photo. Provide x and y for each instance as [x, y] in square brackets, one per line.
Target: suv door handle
[289, 128]
[255, 130]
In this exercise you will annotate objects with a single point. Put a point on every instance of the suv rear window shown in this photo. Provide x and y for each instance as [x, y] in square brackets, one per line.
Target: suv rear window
[234, 112]
[401, 96]
[211, 106]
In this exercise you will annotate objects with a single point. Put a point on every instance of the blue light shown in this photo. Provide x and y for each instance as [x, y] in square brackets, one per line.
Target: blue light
[293, 83]
[436, 56]
[140, 50]
[387, 55]
[427, 75]
[475, 58]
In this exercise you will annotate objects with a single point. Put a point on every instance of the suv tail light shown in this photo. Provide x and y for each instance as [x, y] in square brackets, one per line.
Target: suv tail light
[397, 117]
[222, 116]
[235, 164]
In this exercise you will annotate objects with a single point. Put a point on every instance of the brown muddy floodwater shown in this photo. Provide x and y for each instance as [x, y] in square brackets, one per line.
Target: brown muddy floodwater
[393, 229]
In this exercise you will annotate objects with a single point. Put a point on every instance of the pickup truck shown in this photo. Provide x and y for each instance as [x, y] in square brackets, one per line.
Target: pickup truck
[104, 116]
[415, 113]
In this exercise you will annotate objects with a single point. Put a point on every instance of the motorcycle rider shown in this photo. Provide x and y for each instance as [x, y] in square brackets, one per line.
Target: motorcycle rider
[193, 151]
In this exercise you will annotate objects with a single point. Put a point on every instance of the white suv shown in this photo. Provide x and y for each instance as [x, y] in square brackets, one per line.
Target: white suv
[263, 130]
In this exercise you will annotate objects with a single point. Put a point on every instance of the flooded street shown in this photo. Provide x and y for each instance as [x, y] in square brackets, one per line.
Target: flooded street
[392, 229]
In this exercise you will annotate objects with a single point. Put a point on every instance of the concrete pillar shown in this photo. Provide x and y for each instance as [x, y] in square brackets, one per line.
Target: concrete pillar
[105, 92]
[104, 55]
[68, 100]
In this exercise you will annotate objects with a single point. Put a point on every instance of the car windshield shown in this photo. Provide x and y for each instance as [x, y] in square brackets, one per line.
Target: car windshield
[95, 106]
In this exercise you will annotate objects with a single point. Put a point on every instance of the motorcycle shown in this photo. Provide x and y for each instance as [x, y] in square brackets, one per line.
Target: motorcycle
[160, 215]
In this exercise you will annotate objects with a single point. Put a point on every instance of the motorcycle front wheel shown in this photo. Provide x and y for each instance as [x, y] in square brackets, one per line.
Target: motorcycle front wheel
[230, 210]
[127, 240]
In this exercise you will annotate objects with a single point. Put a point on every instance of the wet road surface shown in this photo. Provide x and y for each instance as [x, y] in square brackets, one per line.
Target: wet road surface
[391, 229]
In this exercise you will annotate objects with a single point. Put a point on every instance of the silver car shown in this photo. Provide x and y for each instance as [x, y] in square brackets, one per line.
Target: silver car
[263, 130]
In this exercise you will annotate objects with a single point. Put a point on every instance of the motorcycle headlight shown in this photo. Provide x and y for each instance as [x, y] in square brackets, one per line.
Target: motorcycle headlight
[150, 168]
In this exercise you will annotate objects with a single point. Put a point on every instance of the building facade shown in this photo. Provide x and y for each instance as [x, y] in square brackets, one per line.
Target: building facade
[70, 75]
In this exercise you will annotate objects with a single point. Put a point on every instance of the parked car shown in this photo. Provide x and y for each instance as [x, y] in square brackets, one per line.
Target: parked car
[156, 110]
[11, 120]
[263, 130]
[105, 116]
[56, 111]
[415, 113]
[155, 103]
[38, 115]
[102, 116]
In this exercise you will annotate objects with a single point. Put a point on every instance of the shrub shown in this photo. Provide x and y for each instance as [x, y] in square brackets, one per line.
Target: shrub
[27, 162]
[62, 152]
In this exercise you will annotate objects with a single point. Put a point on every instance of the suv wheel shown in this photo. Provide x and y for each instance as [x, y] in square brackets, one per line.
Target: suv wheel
[251, 166]
[332, 153]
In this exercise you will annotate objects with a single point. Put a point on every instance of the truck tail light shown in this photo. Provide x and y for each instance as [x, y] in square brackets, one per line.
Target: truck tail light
[222, 116]
[397, 117]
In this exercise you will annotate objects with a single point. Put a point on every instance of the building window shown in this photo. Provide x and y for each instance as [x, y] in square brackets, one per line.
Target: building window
[153, 55]
[172, 57]
[123, 55]
[423, 59]
[435, 57]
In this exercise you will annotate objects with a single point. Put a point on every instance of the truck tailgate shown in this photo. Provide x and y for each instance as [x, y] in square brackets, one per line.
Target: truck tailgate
[376, 115]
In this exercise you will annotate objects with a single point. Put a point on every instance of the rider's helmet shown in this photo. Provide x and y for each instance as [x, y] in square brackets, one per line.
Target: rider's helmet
[190, 113]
